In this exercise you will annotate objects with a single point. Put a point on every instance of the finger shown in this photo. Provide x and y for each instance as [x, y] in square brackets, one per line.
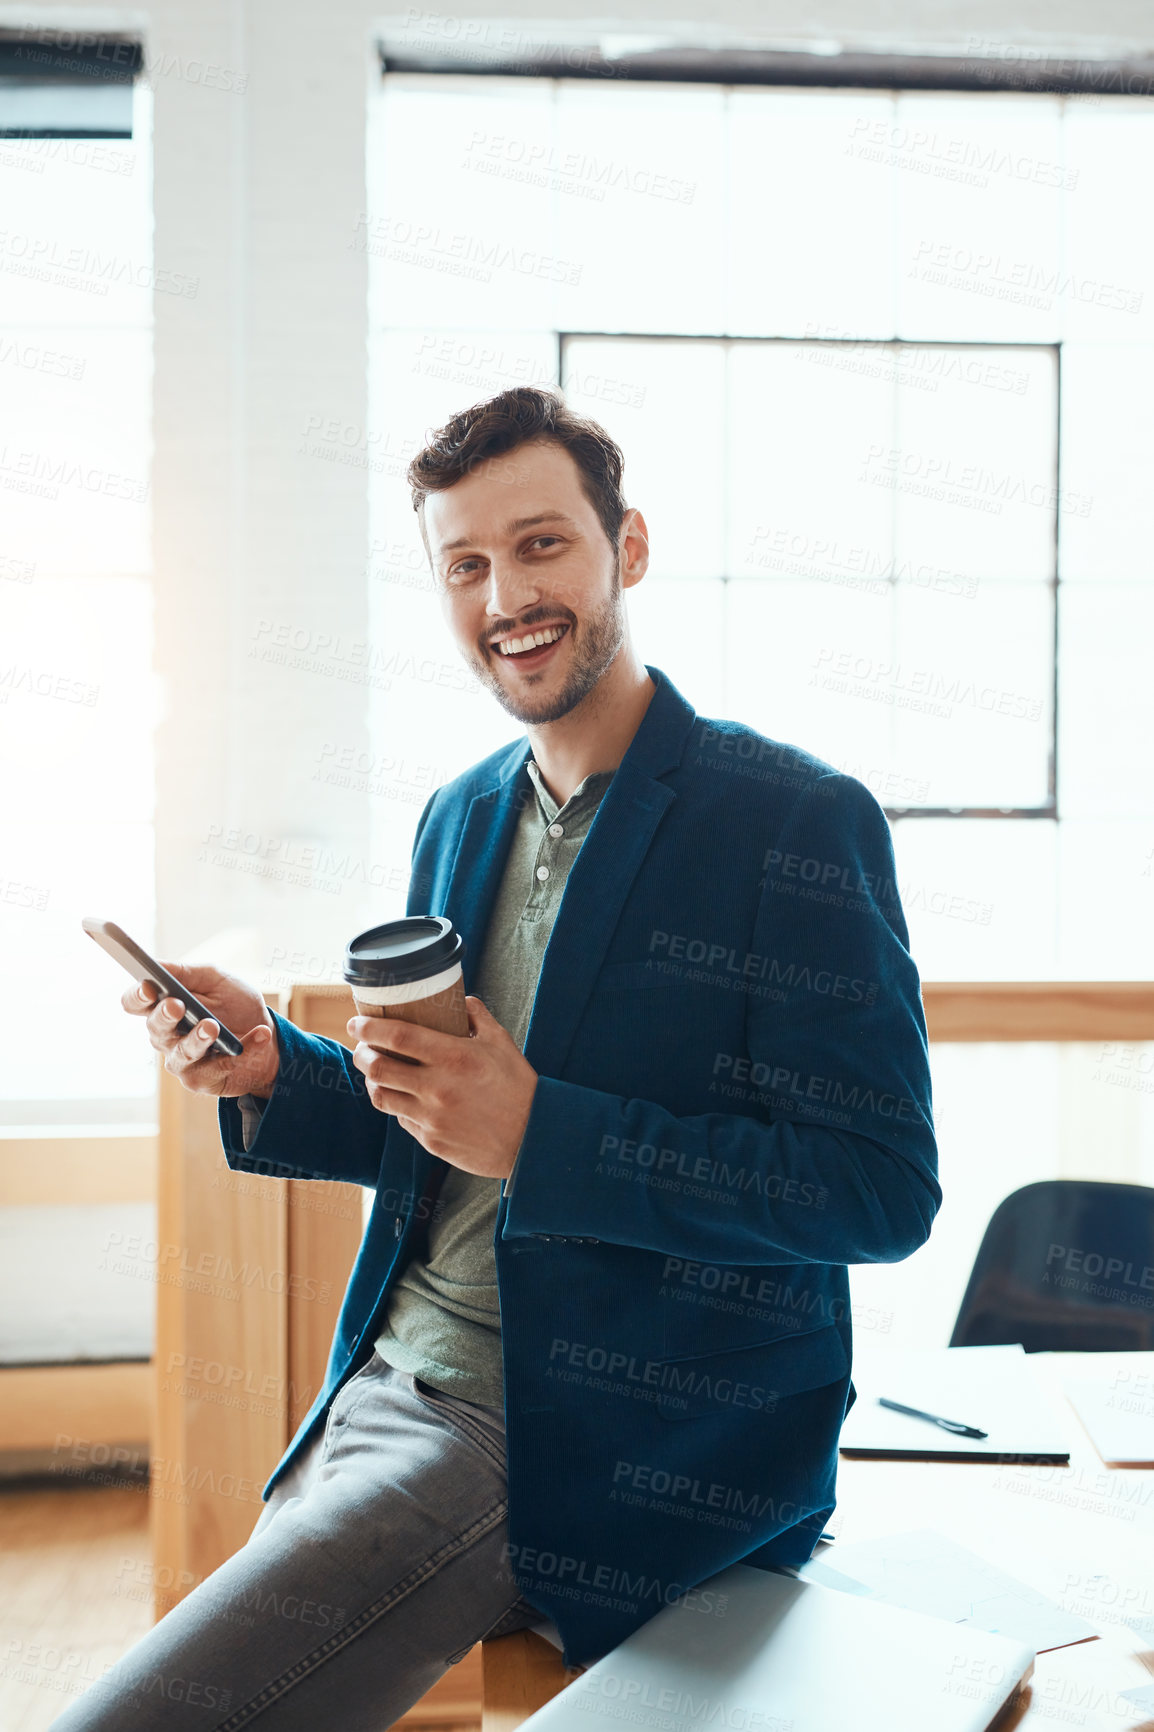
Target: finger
[388, 1100]
[379, 1035]
[195, 1048]
[375, 1030]
[195, 1044]
[138, 1000]
[163, 1018]
[387, 1070]
[410, 1039]
[181, 1054]
[198, 978]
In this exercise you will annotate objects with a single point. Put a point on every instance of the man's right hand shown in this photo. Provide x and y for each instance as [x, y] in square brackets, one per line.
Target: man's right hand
[237, 1005]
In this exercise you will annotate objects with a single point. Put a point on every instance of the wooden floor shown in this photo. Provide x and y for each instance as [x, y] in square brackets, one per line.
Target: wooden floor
[76, 1592]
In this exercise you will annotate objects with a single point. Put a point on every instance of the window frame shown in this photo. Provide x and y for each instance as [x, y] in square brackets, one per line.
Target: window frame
[1048, 810]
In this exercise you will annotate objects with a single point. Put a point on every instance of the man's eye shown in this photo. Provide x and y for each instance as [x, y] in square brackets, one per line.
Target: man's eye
[538, 539]
[463, 568]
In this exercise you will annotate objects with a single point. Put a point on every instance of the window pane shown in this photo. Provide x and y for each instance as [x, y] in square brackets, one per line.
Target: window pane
[980, 896]
[77, 696]
[782, 647]
[76, 783]
[1107, 461]
[971, 693]
[427, 375]
[76, 237]
[978, 185]
[52, 882]
[646, 237]
[808, 194]
[679, 626]
[75, 447]
[672, 431]
[460, 213]
[1107, 883]
[1108, 265]
[1106, 713]
[79, 703]
[973, 467]
[800, 431]
[419, 378]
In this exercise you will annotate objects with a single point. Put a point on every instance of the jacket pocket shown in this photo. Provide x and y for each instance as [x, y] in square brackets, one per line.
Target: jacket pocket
[750, 1381]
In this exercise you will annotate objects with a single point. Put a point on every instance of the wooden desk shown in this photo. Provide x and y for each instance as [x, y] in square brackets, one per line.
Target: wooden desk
[1083, 1535]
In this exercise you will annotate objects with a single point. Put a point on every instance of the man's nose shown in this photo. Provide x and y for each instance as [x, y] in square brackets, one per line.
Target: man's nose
[510, 591]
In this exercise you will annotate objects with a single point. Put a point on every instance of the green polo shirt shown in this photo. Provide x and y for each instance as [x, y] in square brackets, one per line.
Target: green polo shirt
[444, 1318]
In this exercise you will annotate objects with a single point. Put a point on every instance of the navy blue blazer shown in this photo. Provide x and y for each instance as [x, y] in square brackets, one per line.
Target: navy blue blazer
[733, 1104]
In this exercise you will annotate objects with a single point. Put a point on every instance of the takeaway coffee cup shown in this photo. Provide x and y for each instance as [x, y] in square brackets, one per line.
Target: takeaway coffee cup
[410, 969]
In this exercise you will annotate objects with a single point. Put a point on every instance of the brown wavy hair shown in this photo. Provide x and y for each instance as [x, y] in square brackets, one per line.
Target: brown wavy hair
[499, 424]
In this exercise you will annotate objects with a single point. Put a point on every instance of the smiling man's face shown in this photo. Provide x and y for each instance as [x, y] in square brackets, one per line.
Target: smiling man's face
[518, 550]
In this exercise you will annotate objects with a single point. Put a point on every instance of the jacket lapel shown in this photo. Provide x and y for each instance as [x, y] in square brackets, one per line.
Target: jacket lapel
[599, 880]
[475, 875]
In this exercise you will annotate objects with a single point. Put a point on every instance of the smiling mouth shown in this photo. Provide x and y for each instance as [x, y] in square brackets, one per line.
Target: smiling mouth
[537, 652]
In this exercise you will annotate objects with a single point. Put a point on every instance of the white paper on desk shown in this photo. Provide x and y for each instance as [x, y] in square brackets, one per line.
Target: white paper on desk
[1142, 1698]
[1114, 1399]
[991, 1388]
[926, 1572]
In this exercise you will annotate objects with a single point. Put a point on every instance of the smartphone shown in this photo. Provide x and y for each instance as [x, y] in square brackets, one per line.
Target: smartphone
[142, 967]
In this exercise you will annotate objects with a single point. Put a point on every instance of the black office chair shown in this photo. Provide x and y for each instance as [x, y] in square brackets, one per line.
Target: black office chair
[1064, 1265]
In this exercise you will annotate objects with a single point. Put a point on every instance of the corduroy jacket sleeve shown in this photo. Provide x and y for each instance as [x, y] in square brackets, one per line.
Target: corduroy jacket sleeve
[828, 1154]
[319, 1122]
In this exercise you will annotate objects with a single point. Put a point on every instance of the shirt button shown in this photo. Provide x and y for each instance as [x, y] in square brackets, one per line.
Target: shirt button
[542, 873]
[556, 829]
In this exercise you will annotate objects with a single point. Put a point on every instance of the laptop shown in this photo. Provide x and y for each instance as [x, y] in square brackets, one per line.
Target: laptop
[762, 1651]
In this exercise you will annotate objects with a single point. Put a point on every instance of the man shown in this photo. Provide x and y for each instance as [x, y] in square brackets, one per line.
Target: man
[605, 1274]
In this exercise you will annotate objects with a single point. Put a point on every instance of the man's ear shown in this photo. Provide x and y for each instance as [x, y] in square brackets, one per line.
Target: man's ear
[634, 548]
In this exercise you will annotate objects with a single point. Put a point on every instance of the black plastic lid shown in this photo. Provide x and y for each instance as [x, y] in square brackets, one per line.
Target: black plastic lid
[403, 950]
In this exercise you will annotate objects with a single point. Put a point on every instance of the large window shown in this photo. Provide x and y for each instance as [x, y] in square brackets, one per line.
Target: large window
[838, 582]
[881, 367]
[77, 703]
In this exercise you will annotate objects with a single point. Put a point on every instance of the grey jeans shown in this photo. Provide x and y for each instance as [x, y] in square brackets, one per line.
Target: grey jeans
[376, 1564]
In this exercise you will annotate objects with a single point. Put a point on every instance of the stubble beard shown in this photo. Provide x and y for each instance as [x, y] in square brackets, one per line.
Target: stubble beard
[595, 645]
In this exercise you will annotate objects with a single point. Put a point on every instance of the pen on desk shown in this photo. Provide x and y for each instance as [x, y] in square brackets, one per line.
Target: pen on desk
[954, 1425]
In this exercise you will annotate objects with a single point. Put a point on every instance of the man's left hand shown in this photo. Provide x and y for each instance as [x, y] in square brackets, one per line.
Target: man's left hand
[466, 1100]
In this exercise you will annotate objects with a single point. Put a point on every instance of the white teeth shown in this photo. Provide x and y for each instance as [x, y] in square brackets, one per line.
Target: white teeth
[514, 645]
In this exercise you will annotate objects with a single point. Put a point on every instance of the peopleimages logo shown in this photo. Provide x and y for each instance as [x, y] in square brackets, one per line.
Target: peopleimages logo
[642, 1476]
[824, 873]
[563, 1573]
[668, 1164]
[830, 1090]
[668, 1376]
[751, 965]
[1094, 1263]
[642, 1700]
